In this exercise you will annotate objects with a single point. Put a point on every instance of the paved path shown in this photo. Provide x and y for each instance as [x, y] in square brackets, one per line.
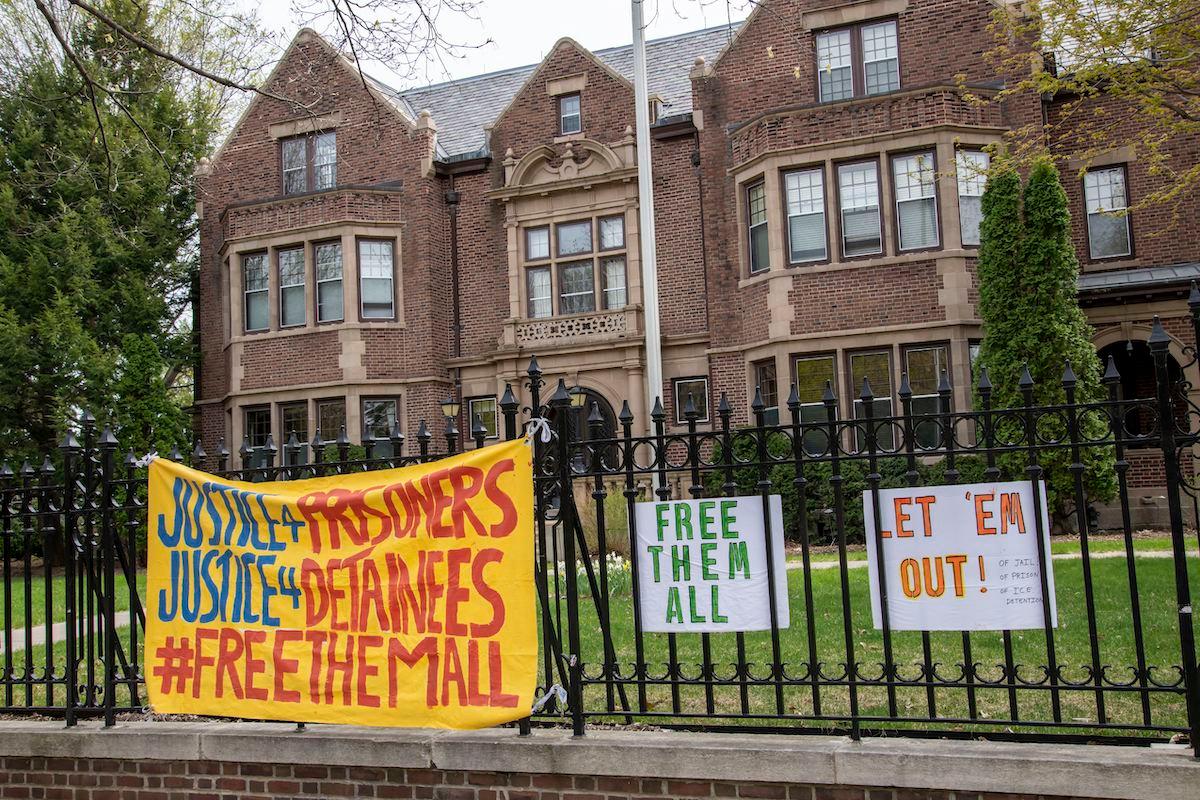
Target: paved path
[856, 563]
[59, 630]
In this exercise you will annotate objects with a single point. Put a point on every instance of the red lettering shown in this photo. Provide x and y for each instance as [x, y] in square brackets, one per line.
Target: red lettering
[455, 593]
[229, 650]
[284, 666]
[254, 666]
[366, 669]
[202, 661]
[488, 555]
[497, 698]
[491, 488]
[397, 654]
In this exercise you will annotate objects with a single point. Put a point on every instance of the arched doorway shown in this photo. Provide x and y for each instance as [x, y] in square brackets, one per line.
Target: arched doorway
[1135, 363]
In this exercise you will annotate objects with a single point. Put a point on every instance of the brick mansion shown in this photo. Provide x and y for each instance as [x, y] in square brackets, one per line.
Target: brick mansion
[368, 252]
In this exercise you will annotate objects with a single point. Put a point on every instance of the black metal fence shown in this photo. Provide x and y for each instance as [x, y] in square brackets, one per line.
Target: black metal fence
[1122, 663]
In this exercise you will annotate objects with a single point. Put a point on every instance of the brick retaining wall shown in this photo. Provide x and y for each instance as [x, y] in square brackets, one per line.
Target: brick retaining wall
[216, 761]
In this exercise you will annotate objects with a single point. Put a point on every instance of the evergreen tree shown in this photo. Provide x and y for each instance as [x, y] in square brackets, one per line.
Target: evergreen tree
[1031, 317]
[146, 417]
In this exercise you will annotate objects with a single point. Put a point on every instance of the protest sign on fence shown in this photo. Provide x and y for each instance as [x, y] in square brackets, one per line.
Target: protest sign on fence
[961, 558]
[702, 565]
[399, 597]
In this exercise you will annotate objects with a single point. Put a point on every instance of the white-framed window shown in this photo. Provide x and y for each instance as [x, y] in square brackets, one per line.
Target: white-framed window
[581, 269]
[541, 299]
[914, 182]
[835, 65]
[695, 388]
[881, 58]
[756, 221]
[858, 191]
[485, 409]
[1107, 199]
[537, 243]
[570, 120]
[613, 274]
[376, 269]
[329, 282]
[576, 287]
[291, 287]
[325, 160]
[813, 373]
[972, 166]
[255, 282]
[876, 367]
[805, 193]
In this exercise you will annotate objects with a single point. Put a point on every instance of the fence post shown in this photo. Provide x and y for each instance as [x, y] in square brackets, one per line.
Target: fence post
[108, 449]
[1159, 341]
[70, 448]
[478, 432]
[560, 401]
[509, 406]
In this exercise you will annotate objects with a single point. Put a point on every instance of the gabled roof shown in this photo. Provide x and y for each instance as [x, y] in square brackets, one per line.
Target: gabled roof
[463, 108]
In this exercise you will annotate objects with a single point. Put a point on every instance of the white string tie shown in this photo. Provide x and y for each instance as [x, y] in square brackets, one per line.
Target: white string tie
[145, 460]
[555, 691]
[539, 428]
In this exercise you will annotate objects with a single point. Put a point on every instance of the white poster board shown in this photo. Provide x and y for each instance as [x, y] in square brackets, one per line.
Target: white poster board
[960, 558]
[702, 565]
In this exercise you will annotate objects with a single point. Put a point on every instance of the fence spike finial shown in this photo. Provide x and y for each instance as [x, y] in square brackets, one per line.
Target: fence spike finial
[944, 386]
[222, 450]
[342, 438]
[26, 467]
[198, 453]
[756, 403]
[561, 395]
[905, 390]
[508, 399]
[534, 370]
[293, 442]
[1068, 379]
[827, 396]
[244, 450]
[723, 407]
[107, 438]
[626, 416]
[1026, 380]
[866, 395]
[5, 470]
[47, 466]
[657, 413]
[689, 408]
[793, 401]
[423, 431]
[1111, 375]
[175, 455]
[985, 382]
[1159, 339]
[69, 442]
[594, 416]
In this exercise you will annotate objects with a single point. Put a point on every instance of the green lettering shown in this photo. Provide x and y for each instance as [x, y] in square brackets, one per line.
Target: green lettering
[683, 521]
[707, 560]
[727, 531]
[706, 519]
[717, 616]
[692, 606]
[681, 563]
[739, 559]
[655, 550]
[674, 606]
[660, 513]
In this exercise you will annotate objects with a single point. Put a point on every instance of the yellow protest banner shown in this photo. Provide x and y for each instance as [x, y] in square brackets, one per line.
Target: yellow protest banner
[399, 597]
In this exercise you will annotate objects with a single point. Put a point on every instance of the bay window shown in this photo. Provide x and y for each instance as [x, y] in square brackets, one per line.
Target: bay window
[915, 186]
[756, 218]
[805, 193]
[257, 421]
[540, 299]
[254, 286]
[576, 284]
[331, 418]
[376, 279]
[972, 166]
[768, 386]
[291, 287]
[580, 270]
[1107, 202]
[329, 282]
[812, 375]
[858, 187]
[379, 418]
[924, 366]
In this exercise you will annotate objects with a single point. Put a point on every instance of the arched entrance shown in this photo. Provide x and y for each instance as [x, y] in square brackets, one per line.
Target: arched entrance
[1135, 363]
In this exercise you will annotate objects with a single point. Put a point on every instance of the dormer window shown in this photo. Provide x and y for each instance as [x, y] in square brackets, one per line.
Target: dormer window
[858, 61]
[569, 118]
[309, 162]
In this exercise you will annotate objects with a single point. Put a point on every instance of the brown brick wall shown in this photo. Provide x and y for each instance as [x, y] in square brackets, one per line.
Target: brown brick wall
[112, 779]
[275, 362]
[867, 297]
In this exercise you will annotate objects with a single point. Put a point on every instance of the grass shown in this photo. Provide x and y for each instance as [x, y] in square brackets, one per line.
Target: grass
[33, 609]
[1059, 545]
[1073, 637]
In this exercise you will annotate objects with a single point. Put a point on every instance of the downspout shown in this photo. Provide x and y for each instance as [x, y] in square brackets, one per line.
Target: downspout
[703, 227]
[452, 198]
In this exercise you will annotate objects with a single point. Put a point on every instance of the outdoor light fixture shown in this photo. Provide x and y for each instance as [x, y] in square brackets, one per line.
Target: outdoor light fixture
[578, 397]
[450, 407]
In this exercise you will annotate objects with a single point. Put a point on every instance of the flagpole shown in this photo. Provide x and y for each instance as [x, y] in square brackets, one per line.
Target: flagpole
[646, 237]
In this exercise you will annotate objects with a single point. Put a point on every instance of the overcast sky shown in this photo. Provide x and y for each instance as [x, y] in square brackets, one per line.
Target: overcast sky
[523, 31]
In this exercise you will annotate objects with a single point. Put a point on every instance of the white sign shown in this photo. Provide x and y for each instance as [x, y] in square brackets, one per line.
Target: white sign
[702, 565]
[960, 558]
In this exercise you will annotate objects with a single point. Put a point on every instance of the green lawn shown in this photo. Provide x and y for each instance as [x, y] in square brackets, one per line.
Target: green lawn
[1113, 632]
[35, 609]
[1059, 545]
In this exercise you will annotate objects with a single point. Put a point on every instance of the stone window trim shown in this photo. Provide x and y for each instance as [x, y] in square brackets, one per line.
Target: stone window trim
[553, 263]
[482, 401]
[358, 276]
[305, 125]
[571, 84]
[820, 168]
[852, 12]
[893, 158]
[882, 200]
[680, 402]
[1123, 169]
[857, 58]
[347, 395]
[309, 239]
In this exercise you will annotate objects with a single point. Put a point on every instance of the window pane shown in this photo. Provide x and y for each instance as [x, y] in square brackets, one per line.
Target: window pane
[1105, 190]
[1104, 193]
[756, 199]
[924, 367]
[811, 376]
[614, 282]
[294, 418]
[612, 233]
[970, 215]
[971, 166]
[1108, 235]
[570, 120]
[805, 192]
[295, 165]
[859, 190]
[325, 160]
[834, 65]
[574, 237]
[756, 214]
[258, 426]
[768, 386]
[538, 288]
[375, 269]
[485, 409]
[918, 224]
[291, 287]
[697, 390]
[291, 308]
[254, 272]
[537, 243]
[875, 368]
[379, 417]
[331, 418]
[576, 288]
[880, 62]
[329, 282]
[256, 311]
[806, 238]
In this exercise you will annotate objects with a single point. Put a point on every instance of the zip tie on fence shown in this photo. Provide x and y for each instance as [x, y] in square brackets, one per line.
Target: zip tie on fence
[539, 428]
[555, 691]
